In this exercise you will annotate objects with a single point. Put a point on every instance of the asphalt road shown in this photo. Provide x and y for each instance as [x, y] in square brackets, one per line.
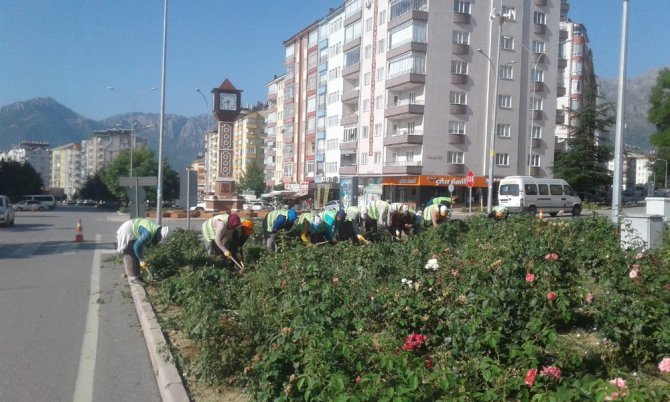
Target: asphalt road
[68, 327]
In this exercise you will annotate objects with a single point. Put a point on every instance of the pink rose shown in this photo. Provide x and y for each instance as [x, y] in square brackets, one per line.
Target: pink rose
[336, 281]
[589, 297]
[664, 365]
[530, 377]
[613, 397]
[414, 341]
[632, 274]
[551, 256]
[551, 371]
[530, 277]
[358, 378]
[619, 382]
[552, 296]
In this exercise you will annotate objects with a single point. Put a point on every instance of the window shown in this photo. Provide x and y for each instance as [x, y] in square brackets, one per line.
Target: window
[540, 18]
[352, 57]
[575, 104]
[380, 74]
[366, 79]
[506, 72]
[530, 189]
[509, 13]
[460, 37]
[335, 49]
[309, 167]
[576, 86]
[543, 189]
[350, 134]
[378, 157]
[406, 64]
[336, 25]
[556, 189]
[508, 42]
[536, 104]
[378, 129]
[368, 51]
[502, 159]
[538, 75]
[368, 24]
[577, 67]
[463, 7]
[382, 17]
[538, 47]
[352, 32]
[366, 105]
[458, 98]
[456, 127]
[536, 132]
[504, 130]
[334, 73]
[364, 158]
[379, 102]
[364, 131]
[288, 170]
[410, 127]
[311, 104]
[381, 45]
[505, 101]
[459, 67]
[455, 157]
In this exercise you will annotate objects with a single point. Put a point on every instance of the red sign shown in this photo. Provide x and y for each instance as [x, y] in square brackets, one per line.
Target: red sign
[470, 178]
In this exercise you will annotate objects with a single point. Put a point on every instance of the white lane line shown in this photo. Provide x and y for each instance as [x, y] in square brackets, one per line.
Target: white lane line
[83, 390]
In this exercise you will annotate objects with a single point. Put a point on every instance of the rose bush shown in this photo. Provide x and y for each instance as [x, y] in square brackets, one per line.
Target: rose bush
[523, 309]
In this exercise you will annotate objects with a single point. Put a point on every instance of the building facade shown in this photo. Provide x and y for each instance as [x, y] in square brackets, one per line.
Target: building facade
[36, 153]
[401, 98]
[248, 140]
[66, 169]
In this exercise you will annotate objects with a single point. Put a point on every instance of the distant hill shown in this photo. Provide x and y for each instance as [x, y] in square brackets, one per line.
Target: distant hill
[638, 90]
[44, 119]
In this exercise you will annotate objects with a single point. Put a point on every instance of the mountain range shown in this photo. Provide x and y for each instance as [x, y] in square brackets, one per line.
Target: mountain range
[44, 119]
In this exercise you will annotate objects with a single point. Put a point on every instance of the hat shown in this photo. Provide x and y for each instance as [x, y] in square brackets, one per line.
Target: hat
[317, 220]
[247, 226]
[404, 208]
[165, 232]
[233, 221]
[443, 210]
[292, 215]
[340, 216]
[364, 212]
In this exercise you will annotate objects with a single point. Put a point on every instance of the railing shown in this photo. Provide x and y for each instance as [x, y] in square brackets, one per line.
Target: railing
[402, 163]
[403, 132]
[402, 7]
[414, 39]
[404, 102]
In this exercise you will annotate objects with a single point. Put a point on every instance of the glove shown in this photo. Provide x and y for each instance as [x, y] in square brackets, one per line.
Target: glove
[363, 239]
[228, 254]
[397, 233]
[144, 265]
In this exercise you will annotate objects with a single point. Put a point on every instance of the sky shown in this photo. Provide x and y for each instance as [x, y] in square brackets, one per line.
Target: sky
[73, 50]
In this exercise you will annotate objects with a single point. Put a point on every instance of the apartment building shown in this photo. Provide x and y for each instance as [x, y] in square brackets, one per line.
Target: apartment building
[104, 146]
[66, 171]
[423, 91]
[248, 140]
[36, 153]
[273, 130]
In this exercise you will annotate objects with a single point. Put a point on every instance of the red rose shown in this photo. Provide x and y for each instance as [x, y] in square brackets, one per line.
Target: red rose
[552, 296]
[530, 277]
[358, 378]
[551, 371]
[530, 377]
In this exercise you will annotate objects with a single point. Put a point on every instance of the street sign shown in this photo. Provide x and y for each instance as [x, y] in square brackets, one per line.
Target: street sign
[451, 187]
[470, 178]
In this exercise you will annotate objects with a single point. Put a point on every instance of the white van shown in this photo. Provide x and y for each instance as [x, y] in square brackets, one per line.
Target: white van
[531, 194]
[48, 200]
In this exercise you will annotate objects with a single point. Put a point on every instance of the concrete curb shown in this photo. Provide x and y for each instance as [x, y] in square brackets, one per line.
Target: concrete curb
[169, 381]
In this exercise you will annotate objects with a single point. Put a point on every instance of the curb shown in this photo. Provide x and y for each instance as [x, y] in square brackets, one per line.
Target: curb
[168, 379]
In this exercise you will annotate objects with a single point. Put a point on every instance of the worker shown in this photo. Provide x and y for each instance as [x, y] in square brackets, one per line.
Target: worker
[132, 237]
[328, 224]
[440, 200]
[376, 214]
[239, 238]
[410, 222]
[276, 221]
[395, 218]
[353, 226]
[499, 213]
[435, 214]
[217, 232]
[305, 227]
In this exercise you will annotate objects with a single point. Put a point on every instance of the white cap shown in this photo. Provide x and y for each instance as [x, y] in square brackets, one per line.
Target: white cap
[443, 210]
[165, 232]
[405, 208]
[364, 212]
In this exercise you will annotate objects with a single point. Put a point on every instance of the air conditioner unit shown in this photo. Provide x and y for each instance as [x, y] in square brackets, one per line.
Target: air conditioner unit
[368, 3]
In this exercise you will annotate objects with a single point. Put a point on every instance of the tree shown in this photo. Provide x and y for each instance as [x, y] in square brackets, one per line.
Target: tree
[584, 163]
[659, 116]
[144, 164]
[95, 189]
[252, 179]
[17, 179]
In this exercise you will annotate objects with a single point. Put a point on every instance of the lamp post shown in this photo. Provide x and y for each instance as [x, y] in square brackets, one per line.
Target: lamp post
[132, 120]
[159, 189]
[207, 167]
[617, 180]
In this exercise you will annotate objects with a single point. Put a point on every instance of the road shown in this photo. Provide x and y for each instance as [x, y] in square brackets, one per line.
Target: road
[68, 328]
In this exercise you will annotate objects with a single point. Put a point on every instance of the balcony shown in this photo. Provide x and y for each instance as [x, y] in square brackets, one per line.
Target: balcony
[351, 70]
[355, 16]
[455, 168]
[458, 108]
[538, 86]
[351, 43]
[403, 109]
[405, 80]
[540, 3]
[417, 15]
[461, 18]
[536, 142]
[535, 171]
[560, 90]
[560, 117]
[562, 62]
[403, 137]
[349, 119]
[459, 79]
[348, 170]
[350, 96]
[540, 29]
[457, 139]
[349, 145]
[460, 48]
[537, 115]
[402, 167]
[406, 46]
[321, 134]
[539, 58]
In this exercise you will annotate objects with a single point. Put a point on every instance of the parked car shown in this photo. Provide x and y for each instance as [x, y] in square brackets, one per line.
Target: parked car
[257, 206]
[6, 211]
[662, 192]
[29, 205]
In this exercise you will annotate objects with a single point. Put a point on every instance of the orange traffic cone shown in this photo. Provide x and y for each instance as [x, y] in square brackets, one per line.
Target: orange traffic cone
[78, 233]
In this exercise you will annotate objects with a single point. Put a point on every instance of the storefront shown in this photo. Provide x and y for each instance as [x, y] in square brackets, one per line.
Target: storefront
[417, 190]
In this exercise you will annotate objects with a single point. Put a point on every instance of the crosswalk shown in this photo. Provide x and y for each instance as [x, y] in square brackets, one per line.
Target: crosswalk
[13, 251]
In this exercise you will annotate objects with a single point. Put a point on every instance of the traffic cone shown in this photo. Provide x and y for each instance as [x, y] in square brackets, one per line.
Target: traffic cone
[78, 233]
[541, 214]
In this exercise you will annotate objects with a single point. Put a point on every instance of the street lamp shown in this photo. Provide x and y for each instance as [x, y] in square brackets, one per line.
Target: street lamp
[132, 120]
[207, 167]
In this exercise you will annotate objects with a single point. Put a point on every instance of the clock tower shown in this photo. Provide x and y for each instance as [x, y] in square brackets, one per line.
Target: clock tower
[226, 109]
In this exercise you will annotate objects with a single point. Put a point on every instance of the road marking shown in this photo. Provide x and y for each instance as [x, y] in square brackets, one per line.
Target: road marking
[83, 390]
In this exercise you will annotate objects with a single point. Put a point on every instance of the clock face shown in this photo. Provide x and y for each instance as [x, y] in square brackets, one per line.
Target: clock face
[227, 101]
